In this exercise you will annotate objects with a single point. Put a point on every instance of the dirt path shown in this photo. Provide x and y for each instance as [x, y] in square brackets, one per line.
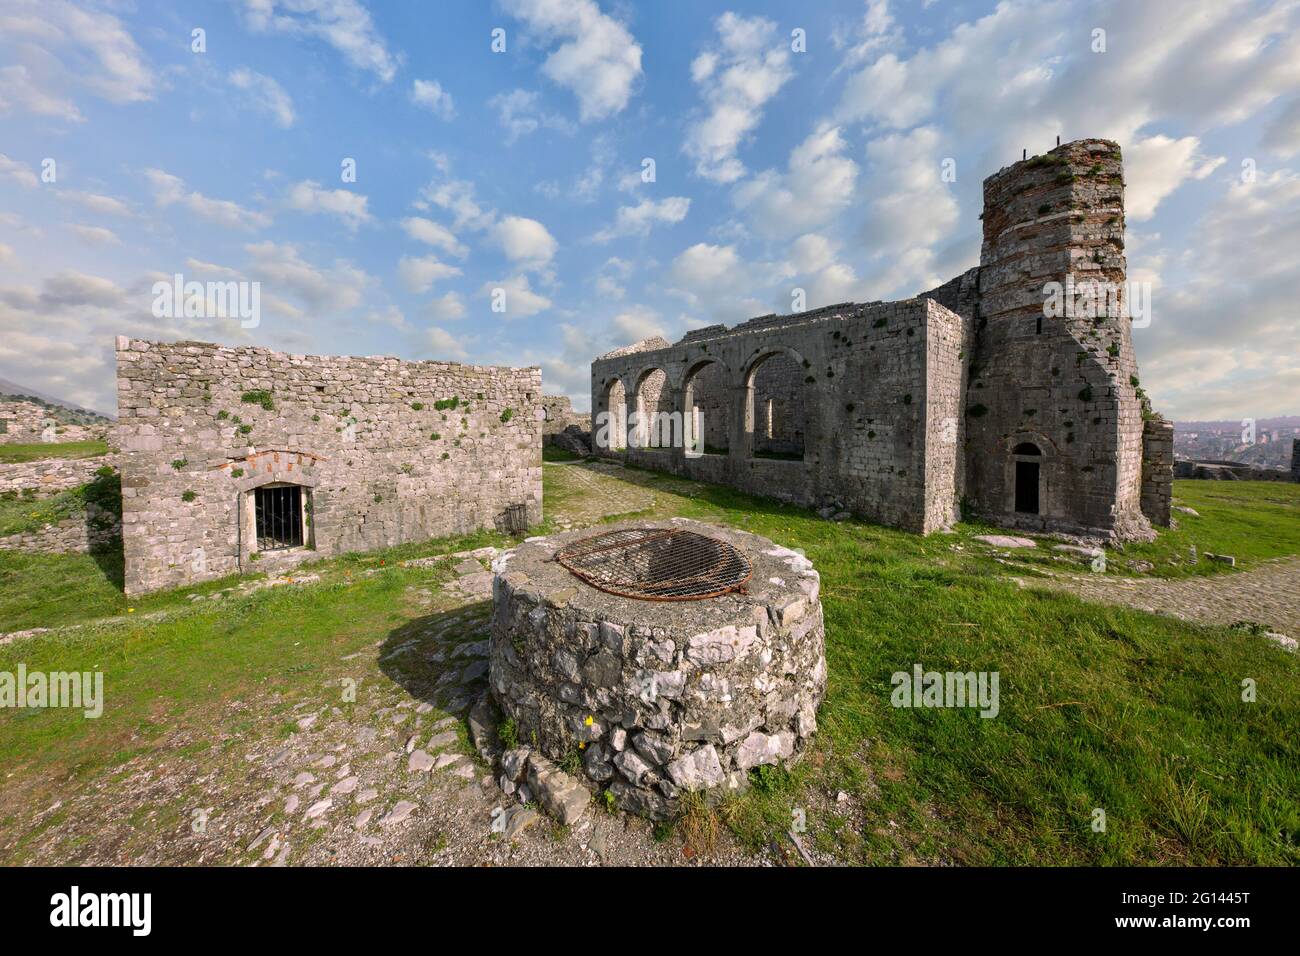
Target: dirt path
[1268, 595]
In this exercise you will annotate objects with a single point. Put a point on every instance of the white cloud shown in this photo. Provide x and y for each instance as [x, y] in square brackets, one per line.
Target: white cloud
[814, 267]
[282, 270]
[1020, 75]
[520, 114]
[95, 235]
[525, 241]
[737, 78]
[97, 203]
[20, 93]
[446, 308]
[873, 32]
[6, 252]
[57, 48]
[443, 344]
[18, 171]
[637, 220]
[818, 184]
[1154, 167]
[456, 196]
[637, 323]
[1283, 134]
[308, 196]
[429, 95]
[211, 269]
[1223, 338]
[598, 59]
[714, 279]
[343, 24]
[913, 211]
[170, 190]
[266, 95]
[419, 274]
[433, 234]
[520, 300]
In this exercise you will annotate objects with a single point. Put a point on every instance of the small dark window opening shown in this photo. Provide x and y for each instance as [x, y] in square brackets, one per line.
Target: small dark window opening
[279, 517]
[1039, 329]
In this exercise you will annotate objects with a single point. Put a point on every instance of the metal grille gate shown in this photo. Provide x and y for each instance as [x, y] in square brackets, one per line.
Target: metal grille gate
[279, 517]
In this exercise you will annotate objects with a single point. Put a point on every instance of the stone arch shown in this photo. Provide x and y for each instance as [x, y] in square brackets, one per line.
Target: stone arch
[653, 399]
[706, 406]
[613, 399]
[776, 404]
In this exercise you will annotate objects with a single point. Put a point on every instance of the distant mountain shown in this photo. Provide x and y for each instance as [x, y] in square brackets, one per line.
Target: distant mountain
[13, 391]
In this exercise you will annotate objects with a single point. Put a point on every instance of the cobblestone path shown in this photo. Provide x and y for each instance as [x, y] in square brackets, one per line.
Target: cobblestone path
[1268, 595]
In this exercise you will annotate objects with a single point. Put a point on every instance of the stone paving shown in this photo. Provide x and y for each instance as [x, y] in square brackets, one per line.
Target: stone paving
[599, 490]
[1267, 595]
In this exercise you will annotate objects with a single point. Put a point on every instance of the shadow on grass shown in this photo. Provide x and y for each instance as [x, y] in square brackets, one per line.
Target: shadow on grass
[112, 564]
[436, 658]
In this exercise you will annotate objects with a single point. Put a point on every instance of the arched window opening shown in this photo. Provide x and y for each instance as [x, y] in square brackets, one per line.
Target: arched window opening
[776, 415]
[706, 419]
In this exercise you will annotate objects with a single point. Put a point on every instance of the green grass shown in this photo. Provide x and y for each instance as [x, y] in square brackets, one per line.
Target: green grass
[1133, 713]
[1101, 707]
[1253, 521]
[553, 453]
[1250, 520]
[39, 451]
[21, 512]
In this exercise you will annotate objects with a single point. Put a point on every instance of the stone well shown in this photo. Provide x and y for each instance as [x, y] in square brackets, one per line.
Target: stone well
[656, 696]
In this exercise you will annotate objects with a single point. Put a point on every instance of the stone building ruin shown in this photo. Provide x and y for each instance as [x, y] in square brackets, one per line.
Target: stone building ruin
[236, 459]
[970, 399]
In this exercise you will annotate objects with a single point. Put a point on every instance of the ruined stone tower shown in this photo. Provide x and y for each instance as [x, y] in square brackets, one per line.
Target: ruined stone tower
[1054, 418]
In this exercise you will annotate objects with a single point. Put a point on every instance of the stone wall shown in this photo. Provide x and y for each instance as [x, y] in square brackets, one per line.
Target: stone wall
[866, 401]
[1157, 470]
[51, 475]
[27, 423]
[901, 411]
[385, 452]
[1295, 459]
[92, 532]
[558, 414]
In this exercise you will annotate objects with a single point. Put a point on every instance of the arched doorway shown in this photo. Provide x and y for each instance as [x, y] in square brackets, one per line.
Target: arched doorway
[655, 427]
[706, 420]
[1028, 465]
[615, 422]
[776, 413]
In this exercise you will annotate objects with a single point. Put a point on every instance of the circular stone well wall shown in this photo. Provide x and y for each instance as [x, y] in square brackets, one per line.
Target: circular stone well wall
[659, 697]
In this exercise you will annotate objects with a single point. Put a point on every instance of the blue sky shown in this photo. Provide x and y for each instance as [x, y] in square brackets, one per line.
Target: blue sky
[775, 169]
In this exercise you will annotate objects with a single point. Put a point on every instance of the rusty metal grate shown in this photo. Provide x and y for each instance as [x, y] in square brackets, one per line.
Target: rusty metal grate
[657, 564]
